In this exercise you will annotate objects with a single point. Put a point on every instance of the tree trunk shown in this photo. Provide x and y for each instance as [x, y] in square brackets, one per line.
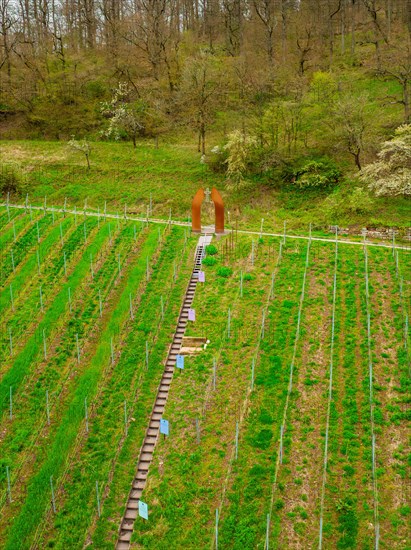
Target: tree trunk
[203, 133]
[356, 156]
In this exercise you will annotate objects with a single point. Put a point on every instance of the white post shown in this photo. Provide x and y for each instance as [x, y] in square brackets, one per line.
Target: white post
[241, 284]
[134, 231]
[85, 231]
[47, 407]
[12, 261]
[125, 418]
[11, 297]
[64, 207]
[252, 373]
[78, 349]
[281, 443]
[162, 306]
[98, 500]
[131, 307]
[53, 501]
[109, 233]
[236, 439]
[44, 345]
[41, 298]
[8, 484]
[216, 528]
[261, 228]
[86, 413]
[267, 534]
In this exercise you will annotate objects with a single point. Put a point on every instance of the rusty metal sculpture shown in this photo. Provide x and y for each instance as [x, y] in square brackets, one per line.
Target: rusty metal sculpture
[219, 211]
[196, 210]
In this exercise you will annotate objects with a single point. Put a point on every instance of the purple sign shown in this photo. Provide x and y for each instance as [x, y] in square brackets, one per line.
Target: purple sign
[191, 314]
[201, 276]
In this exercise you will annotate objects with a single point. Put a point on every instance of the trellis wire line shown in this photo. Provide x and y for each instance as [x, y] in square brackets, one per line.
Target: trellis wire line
[234, 453]
[154, 336]
[404, 311]
[243, 231]
[290, 384]
[330, 389]
[370, 373]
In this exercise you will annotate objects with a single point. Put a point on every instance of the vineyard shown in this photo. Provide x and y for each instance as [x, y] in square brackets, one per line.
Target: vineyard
[289, 430]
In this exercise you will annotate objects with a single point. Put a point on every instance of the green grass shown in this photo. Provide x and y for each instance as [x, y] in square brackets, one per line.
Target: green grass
[171, 175]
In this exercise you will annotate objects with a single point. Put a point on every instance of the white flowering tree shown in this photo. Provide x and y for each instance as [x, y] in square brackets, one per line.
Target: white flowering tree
[238, 147]
[124, 115]
[82, 146]
[390, 175]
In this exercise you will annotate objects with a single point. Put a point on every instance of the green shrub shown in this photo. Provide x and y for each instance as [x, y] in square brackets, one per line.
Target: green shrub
[314, 174]
[211, 250]
[209, 261]
[11, 179]
[224, 271]
[354, 201]
[262, 439]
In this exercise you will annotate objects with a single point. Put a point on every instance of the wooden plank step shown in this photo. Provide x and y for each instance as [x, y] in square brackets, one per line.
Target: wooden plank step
[131, 514]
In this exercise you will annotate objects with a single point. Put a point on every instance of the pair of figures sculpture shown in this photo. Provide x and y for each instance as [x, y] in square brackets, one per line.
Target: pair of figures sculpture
[196, 210]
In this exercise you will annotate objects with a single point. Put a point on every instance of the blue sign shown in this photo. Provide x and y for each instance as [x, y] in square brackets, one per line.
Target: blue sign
[164, 426]
[142, 509]
[180, 361]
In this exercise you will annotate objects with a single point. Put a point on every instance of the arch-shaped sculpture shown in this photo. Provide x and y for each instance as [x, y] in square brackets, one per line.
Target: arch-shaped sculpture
[219, 210]
[196, 210]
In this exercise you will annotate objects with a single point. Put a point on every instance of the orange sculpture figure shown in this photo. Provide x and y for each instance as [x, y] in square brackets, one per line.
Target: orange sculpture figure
[196, 210]
[219, 211]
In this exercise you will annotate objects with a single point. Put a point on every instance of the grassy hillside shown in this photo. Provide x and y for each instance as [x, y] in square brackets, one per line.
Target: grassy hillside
[171, 175]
